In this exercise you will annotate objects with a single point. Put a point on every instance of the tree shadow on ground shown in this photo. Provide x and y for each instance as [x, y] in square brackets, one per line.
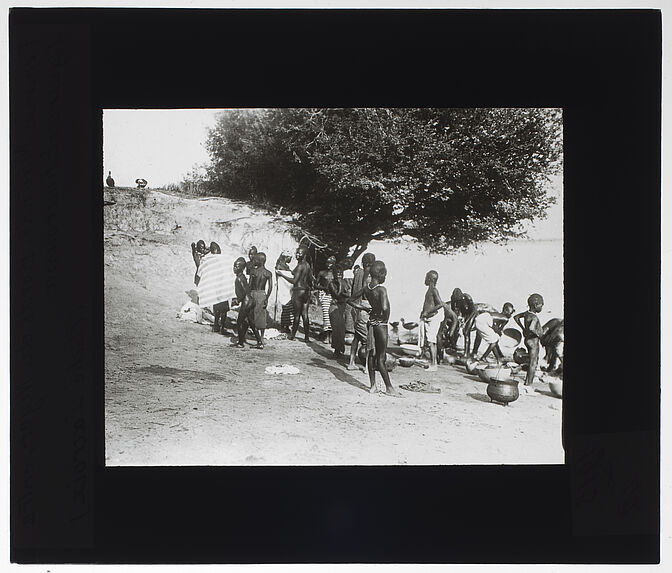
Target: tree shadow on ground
[337, 371]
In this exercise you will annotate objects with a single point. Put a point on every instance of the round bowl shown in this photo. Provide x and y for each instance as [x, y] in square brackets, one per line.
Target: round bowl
[498, 373]
[471, 366]
[556, 387]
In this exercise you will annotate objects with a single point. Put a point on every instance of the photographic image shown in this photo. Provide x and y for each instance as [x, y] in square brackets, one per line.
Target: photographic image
[333, 286]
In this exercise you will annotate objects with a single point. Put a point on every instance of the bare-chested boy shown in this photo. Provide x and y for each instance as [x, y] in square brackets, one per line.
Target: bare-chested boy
[261, 286]
[376, 295]
[431, 320]
[302, 281]
[360, 308]
[532, 332]
[244, 303]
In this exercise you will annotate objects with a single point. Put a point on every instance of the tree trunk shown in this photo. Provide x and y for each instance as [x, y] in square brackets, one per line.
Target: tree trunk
[359, 249]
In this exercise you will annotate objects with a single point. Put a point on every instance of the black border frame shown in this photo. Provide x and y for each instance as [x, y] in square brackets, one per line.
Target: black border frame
[603, 67]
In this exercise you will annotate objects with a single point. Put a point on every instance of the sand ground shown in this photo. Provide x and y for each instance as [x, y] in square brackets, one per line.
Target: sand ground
[178, 394]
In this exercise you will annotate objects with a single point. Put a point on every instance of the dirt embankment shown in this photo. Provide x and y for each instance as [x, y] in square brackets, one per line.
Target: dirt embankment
[179, 394]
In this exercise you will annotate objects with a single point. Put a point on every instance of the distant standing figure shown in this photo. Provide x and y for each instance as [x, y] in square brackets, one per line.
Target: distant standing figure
[250, 263]
[109, 181]
[532, 332]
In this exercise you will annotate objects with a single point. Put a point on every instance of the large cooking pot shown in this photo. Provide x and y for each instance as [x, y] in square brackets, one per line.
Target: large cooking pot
[503, 391]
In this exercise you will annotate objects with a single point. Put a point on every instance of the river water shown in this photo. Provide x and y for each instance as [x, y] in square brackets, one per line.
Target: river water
[489, 273]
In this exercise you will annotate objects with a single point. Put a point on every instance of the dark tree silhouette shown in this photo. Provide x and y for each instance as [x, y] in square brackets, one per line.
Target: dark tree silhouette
[446, 178]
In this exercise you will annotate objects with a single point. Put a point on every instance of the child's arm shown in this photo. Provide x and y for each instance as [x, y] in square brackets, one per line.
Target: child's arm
[269, 281]
[517, 320]
[450, 314]
[535, 327]
[356, 295]
[384, 304]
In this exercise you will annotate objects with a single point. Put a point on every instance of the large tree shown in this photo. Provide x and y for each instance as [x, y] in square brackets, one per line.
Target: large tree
[444, 177]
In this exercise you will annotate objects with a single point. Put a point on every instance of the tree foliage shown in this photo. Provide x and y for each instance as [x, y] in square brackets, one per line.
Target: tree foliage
[445, 177]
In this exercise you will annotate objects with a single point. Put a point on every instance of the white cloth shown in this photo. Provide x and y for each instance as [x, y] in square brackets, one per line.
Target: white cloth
[429, 328]
[483, 324]
[217, 282]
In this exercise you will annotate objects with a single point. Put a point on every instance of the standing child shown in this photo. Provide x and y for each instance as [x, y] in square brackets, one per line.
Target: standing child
[324, 277]
[532, 332]
[260, 279]
[244, 303]
[360, 308]
[302, 280]
[377, 337]
[430, 320]
[339, 292]
[283, 290]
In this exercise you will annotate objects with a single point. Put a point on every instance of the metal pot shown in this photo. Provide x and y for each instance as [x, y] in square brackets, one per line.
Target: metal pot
[503, 391]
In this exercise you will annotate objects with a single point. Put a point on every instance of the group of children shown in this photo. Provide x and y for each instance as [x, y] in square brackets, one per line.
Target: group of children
[442, 333]
[356, 303]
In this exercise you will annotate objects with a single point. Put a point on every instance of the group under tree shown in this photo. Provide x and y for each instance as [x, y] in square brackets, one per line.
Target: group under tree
[445, 177]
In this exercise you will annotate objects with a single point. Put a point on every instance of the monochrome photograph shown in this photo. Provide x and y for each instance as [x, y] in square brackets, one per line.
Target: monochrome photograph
[333, 286]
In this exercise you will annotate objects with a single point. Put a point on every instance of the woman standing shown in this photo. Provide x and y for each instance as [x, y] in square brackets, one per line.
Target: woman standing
[339, 293]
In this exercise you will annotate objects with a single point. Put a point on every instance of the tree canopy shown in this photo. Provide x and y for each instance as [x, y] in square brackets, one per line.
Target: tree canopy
[445, 177]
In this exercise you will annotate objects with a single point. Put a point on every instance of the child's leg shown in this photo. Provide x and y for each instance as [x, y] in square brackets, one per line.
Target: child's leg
[477, 342]
[306, 324]
[432, 354]
[371, 366]
[533, 351]
[488, 350]
[380, 337]
[216, 311]
[353, 352]
[298, 313]
[242, 326]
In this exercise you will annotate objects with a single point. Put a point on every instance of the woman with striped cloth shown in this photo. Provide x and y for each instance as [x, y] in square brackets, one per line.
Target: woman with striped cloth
[324, 277]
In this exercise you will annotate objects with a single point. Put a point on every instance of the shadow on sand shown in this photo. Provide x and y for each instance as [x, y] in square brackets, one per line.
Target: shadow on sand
[337, 371]
[479, 397]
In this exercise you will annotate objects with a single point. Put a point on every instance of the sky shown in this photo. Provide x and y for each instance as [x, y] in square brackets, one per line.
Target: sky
[162, 146]
[159, 145]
